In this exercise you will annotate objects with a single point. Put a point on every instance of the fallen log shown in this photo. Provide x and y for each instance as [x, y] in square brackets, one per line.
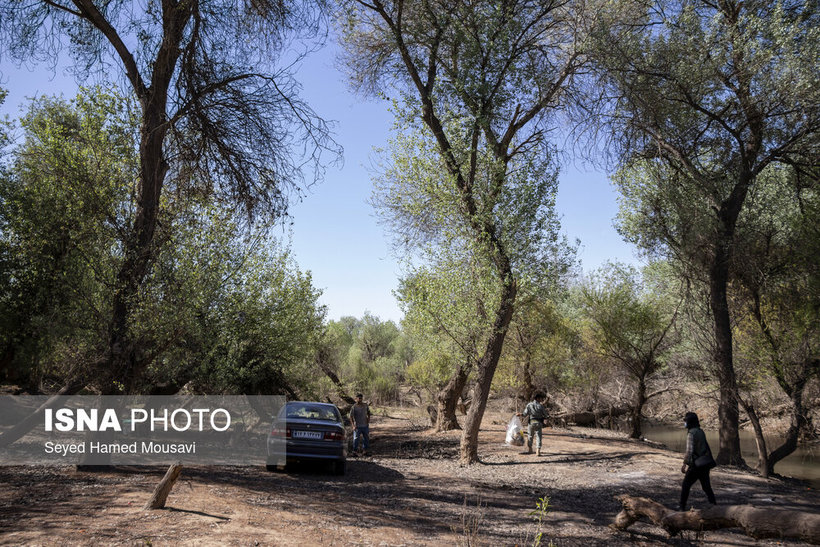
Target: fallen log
[29, 422]
[589, 417]
[756, 522]
[162, 490]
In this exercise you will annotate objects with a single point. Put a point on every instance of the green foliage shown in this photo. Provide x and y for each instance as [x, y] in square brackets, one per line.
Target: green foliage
[223, 305]
[431, 372]
[542, 507]
[704, 103]
[776, 292]
[63, 199]
[420, 202]
[368, 355]
[696, 82]
[449, 298]
[446, 309]
[237, 314]
[630, 322]
[539, 348]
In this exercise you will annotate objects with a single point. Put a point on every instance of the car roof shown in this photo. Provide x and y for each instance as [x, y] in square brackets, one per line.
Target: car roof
[310, 403]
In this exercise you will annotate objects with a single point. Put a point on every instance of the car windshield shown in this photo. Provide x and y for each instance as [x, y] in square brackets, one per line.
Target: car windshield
[312, 412]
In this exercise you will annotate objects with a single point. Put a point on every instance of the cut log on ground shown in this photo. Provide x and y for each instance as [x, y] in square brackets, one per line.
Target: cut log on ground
[757, 522]
[162, 490]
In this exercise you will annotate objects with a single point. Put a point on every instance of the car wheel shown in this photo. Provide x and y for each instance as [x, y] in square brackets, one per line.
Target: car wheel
[339, 467]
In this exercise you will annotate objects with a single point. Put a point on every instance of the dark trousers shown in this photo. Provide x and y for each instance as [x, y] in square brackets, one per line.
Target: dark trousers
[694, 474]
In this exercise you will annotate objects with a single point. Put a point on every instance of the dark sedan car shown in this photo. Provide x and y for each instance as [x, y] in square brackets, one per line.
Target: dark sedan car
[308, 432]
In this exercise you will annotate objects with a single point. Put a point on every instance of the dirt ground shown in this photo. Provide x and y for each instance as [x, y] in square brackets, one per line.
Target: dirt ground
[411, 491]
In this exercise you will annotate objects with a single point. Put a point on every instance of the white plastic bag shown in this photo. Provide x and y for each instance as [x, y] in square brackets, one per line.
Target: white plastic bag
[515, 434]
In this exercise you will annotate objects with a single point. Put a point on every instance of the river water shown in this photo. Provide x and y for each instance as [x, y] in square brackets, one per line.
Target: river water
[803, 463]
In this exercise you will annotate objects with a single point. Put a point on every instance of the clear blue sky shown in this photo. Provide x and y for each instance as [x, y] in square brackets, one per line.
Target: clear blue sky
[335, 233]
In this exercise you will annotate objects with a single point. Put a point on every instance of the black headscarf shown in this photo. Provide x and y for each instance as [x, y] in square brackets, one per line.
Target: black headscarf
[691, 420]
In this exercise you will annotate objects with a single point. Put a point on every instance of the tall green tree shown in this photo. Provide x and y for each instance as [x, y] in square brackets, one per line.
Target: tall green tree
[481, 79]
[64, 198]
[445, 312]
[222, 307]
[632, 324]
[707, 95]
[365, 355]
[218, 113]
[776, 299]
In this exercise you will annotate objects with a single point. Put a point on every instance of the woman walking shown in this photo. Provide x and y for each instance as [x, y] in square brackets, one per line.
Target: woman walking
[697, 462]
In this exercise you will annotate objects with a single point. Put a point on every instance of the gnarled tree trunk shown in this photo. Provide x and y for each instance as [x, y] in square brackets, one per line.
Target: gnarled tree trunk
[447, 400]
[728, 411]
[760, 440]
[160, 495]
[637, 409]
[486, 370]
[798, 423]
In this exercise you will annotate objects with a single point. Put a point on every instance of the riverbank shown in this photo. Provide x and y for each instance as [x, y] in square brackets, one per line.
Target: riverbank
[803, 464]
[410, 492]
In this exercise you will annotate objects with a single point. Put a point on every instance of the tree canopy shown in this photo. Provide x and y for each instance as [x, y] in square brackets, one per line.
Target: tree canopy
[703, 97]
[480, 79]
[211, 83]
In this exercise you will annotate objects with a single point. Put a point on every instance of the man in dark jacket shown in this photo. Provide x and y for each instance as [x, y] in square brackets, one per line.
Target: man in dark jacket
[696, 447]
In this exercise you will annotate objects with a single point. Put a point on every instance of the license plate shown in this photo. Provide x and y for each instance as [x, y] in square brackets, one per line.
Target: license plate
[308, 434]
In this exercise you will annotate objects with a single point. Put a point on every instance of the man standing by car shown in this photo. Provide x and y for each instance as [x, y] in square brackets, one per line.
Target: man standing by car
[360, 419]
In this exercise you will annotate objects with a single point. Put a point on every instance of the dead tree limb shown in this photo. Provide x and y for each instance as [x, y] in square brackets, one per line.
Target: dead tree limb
[30, 421]
[589, 417]
[341, 392]
[162, 490]
[756, 522]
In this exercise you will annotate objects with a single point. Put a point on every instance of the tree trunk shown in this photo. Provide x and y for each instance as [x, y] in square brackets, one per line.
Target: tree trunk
[760, 440]
[164, 487]
[723, 247]
[6, 372]
[756, 522]
[486, 370]
[528, 389]
[447, 400]
[728, 412]
[123, 367]
[798, 422]
[637, 409]
[340, 389]
[139, 251]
